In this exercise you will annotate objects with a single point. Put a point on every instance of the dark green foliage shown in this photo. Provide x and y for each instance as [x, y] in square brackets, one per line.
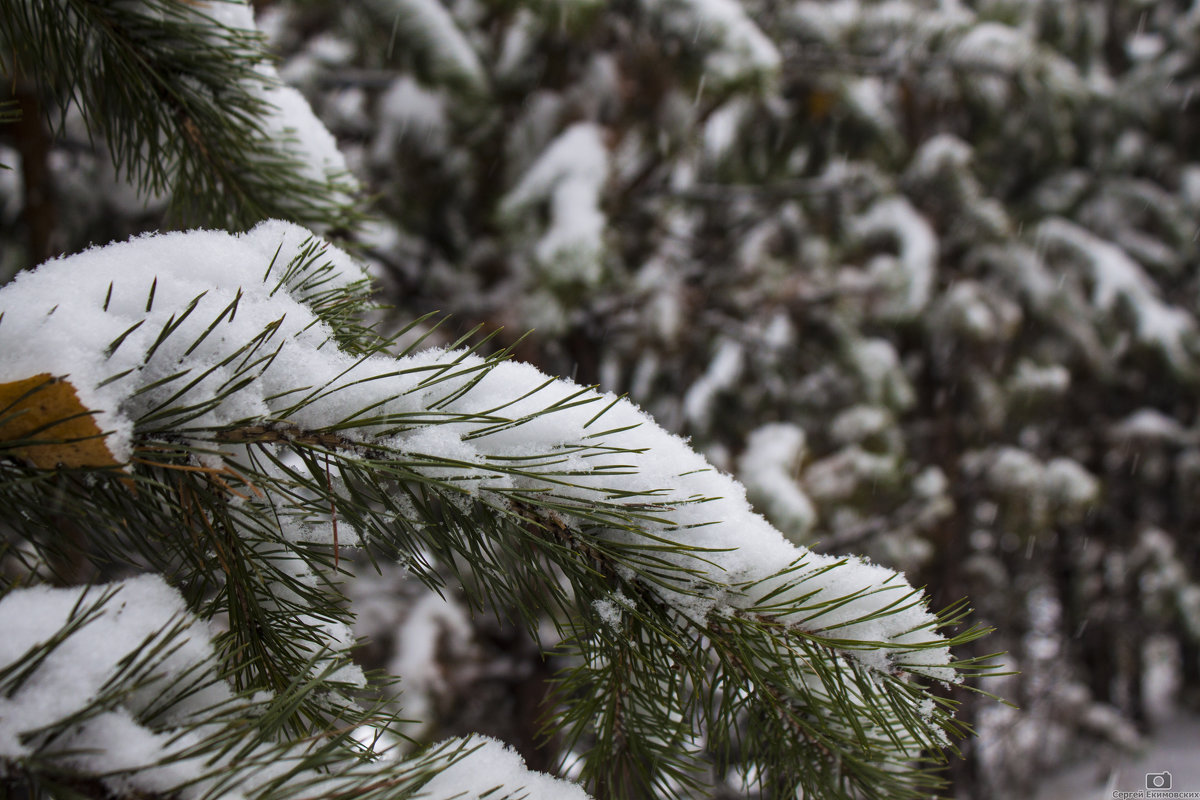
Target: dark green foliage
[178, 100]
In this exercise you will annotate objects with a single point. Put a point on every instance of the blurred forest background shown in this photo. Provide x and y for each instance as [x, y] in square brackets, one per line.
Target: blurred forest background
[922, 275]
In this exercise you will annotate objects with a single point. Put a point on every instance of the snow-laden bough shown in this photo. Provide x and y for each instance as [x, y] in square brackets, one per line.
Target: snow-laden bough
[106, 338]
[210, 344]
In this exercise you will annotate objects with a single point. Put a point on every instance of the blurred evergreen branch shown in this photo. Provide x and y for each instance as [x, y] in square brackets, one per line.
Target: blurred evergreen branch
[178, 99]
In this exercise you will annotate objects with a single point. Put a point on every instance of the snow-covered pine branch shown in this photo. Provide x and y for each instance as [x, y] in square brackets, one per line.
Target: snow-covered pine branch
[239, 433]
[115, 691]
[200, 117]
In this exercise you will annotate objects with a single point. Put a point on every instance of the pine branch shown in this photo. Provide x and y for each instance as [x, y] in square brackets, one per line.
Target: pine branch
[183, 102]
[246, 447]
[165, 700]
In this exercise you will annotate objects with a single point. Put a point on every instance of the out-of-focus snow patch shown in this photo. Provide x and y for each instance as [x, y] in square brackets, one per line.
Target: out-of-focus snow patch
[721, 128]
[1039, 380]
[1068, 484]
[940, 153]
[1150, 425]
[570, 175]
[662, 285]
[1171, 749]
[870, 100]
[1117, 279]
[10, 184]
[943, 168]
[432, 628]
[738, 49]
[428, 25]
[884, 381]
[839, 477]
[907, 278]
[837, 21]
[722, 373]
[859, 422]
[1021, 479]
[409, 111]
[995, 46]
[769, 467]
[975, 312]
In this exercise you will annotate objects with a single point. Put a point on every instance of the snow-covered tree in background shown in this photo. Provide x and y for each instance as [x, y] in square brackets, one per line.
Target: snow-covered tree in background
[922, 274]
[198, 428]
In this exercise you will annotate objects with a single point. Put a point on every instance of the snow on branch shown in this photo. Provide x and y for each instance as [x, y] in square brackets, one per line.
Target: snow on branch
[231, 365]
[209, 336]
[907, 279]
[186, 100]
[570, 177]
[121, 681]
[1119, 284]
[737, 48]
[288, 117]
[432, 29]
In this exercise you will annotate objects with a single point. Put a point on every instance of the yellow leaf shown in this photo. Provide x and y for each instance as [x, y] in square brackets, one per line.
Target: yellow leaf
[47, 426]
[821, 103]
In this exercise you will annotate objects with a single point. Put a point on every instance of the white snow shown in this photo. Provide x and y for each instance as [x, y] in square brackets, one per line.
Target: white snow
[940, 153]
[611, 609]
[721, 128]
[975, 311]
[1099, 776]
[570, 175]
[79, 670]
[516, 48]
[491, 765]
[433, 624]
[1116, 278]
[661, 283]
[429, 25]
[907, 278]
[1149, 424]
[1189, 185]
[860, 422]
[291, 118]
[837, 477]
[769, 467]
[1068, 482]
[878, 367]
[995, 46]
[1145, 46]
[1009, 470]
[407, 109]
[868, 97]
[1019, 476]
[206, 264]
[722, 373]
[1031, 379]
[10, 184]
[739, 49]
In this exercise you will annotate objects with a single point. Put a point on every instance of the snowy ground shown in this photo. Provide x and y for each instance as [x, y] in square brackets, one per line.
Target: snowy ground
[1175, 748]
